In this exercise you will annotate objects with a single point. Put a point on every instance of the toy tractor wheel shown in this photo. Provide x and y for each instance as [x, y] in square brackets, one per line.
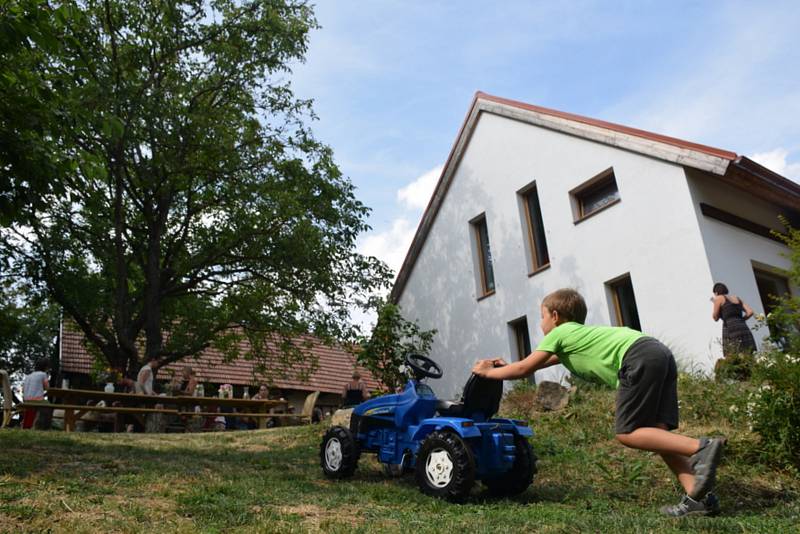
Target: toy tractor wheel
[338, 453]
[445, 467]
[521, 474]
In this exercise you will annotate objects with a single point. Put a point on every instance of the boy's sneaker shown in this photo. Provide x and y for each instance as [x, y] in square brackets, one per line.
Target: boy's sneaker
[687, 507]
[704, 463]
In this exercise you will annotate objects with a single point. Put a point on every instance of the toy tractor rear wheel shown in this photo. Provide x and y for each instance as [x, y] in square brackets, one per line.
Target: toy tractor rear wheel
[338, 453]
[521, 474]
[445, 467]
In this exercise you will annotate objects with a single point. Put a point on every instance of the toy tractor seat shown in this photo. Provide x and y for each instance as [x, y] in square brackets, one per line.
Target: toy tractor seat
[480, 400]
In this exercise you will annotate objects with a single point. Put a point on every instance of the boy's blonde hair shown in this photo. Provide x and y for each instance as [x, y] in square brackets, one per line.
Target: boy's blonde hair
[568, 303]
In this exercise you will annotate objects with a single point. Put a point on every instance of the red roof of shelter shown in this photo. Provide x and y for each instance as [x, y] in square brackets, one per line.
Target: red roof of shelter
[334, 366]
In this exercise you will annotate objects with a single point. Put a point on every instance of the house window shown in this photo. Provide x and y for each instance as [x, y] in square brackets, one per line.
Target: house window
[521, 339]
[625, 311]
[484, 255]
[537, 242]
[594, 195]
[771, 286]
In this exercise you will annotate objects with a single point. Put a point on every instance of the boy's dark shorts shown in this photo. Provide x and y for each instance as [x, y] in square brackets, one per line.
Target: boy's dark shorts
[648, 387]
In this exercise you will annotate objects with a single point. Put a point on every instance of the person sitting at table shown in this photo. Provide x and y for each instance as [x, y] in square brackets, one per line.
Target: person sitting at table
[33, 388]
[263, 393]
[185, 383]
[146, 376]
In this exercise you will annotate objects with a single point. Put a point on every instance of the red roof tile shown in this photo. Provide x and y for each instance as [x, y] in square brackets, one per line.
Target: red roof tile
[334, 366]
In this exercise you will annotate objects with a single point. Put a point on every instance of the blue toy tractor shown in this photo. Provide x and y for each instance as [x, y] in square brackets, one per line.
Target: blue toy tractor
[448, 444]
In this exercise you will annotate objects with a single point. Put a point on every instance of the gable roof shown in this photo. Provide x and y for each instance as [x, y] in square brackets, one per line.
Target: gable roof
[737, 171]
[335, 366]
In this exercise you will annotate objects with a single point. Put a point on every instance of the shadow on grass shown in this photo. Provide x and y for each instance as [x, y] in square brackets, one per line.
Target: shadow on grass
[746, 498]
[24, 452]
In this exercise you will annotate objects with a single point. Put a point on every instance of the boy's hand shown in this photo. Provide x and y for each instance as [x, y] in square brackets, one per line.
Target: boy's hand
[482, 367]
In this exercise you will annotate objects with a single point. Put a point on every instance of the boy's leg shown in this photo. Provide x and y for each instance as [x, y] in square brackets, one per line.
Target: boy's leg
[659, 440]
[675, 450]
[647, 408]
[680, 466]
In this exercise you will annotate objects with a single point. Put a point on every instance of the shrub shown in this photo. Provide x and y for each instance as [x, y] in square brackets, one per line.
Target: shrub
[774, 405]
[393, 338]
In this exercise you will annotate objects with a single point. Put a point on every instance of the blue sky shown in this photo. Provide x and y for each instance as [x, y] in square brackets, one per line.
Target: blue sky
[393, 80]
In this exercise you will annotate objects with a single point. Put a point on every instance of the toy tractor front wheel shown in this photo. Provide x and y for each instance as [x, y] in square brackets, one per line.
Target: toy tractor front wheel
[445, 467]
[338, 453]
[521, 474]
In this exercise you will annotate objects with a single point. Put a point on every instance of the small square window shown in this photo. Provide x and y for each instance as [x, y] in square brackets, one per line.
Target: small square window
[595, 195]
[485, 269]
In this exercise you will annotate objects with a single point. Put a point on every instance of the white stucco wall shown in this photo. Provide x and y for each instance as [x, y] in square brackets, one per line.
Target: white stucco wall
[732, 253]
[653, 234]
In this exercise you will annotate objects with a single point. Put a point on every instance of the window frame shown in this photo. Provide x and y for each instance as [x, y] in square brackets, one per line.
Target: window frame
[475, 227]
[521, 333]
[525, 195]
[613, 286]
[760, 270]
[595, 183]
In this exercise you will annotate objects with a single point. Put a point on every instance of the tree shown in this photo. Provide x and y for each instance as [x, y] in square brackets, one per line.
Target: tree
[190, 206]
[28, 328]
[392, 339]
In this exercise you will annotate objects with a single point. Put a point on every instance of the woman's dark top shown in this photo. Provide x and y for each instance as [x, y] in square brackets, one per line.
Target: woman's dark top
[353, 396]
[736, 335]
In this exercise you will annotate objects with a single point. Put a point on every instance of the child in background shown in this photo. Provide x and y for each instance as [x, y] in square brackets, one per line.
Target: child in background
[33, 388]
[645, 374]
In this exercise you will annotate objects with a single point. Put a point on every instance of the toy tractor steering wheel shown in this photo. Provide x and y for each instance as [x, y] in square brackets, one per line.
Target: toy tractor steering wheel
[423, 367]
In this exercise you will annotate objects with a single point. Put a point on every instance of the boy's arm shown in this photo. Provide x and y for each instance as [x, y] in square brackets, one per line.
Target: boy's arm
[536, 360]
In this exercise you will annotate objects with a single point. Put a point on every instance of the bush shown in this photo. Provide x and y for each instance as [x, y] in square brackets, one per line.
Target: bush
[774, 404]
[393, 338]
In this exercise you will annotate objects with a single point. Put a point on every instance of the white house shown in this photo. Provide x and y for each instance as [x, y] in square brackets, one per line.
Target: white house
[533, 199]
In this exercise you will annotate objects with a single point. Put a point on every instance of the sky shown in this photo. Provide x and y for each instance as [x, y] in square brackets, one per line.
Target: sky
[393, 80]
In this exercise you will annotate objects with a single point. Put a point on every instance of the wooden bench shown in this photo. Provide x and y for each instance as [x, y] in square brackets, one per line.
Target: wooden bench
[8, 399]
[303, 417]
[306, 415]
[73, 412]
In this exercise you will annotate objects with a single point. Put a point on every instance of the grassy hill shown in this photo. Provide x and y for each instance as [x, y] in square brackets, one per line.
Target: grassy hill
[270, 481]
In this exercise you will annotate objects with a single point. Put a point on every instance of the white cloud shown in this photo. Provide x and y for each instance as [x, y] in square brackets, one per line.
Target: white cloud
[733, 92]
[775, 160]
[417, 194]
[390, 245]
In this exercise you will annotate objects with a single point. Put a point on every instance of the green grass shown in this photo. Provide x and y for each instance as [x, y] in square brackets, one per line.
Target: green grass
[270, 481]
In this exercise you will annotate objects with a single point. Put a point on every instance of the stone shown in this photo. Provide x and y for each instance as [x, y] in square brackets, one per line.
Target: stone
[551, 396]
[341, 417]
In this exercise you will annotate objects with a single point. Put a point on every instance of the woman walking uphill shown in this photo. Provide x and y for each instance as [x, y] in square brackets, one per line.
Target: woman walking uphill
[737, 340]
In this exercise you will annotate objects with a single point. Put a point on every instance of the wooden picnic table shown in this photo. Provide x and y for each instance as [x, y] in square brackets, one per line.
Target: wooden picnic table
[74, 404]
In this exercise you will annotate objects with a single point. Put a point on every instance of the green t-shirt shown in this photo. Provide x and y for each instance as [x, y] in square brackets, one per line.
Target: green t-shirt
[591, 352]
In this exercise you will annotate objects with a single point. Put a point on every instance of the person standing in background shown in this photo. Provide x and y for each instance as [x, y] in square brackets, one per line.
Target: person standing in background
[33, 388]
[354, 392]
[738, 344]
[144, 380]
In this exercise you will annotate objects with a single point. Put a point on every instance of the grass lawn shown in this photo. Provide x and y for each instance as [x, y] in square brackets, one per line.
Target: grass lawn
[270, 481]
